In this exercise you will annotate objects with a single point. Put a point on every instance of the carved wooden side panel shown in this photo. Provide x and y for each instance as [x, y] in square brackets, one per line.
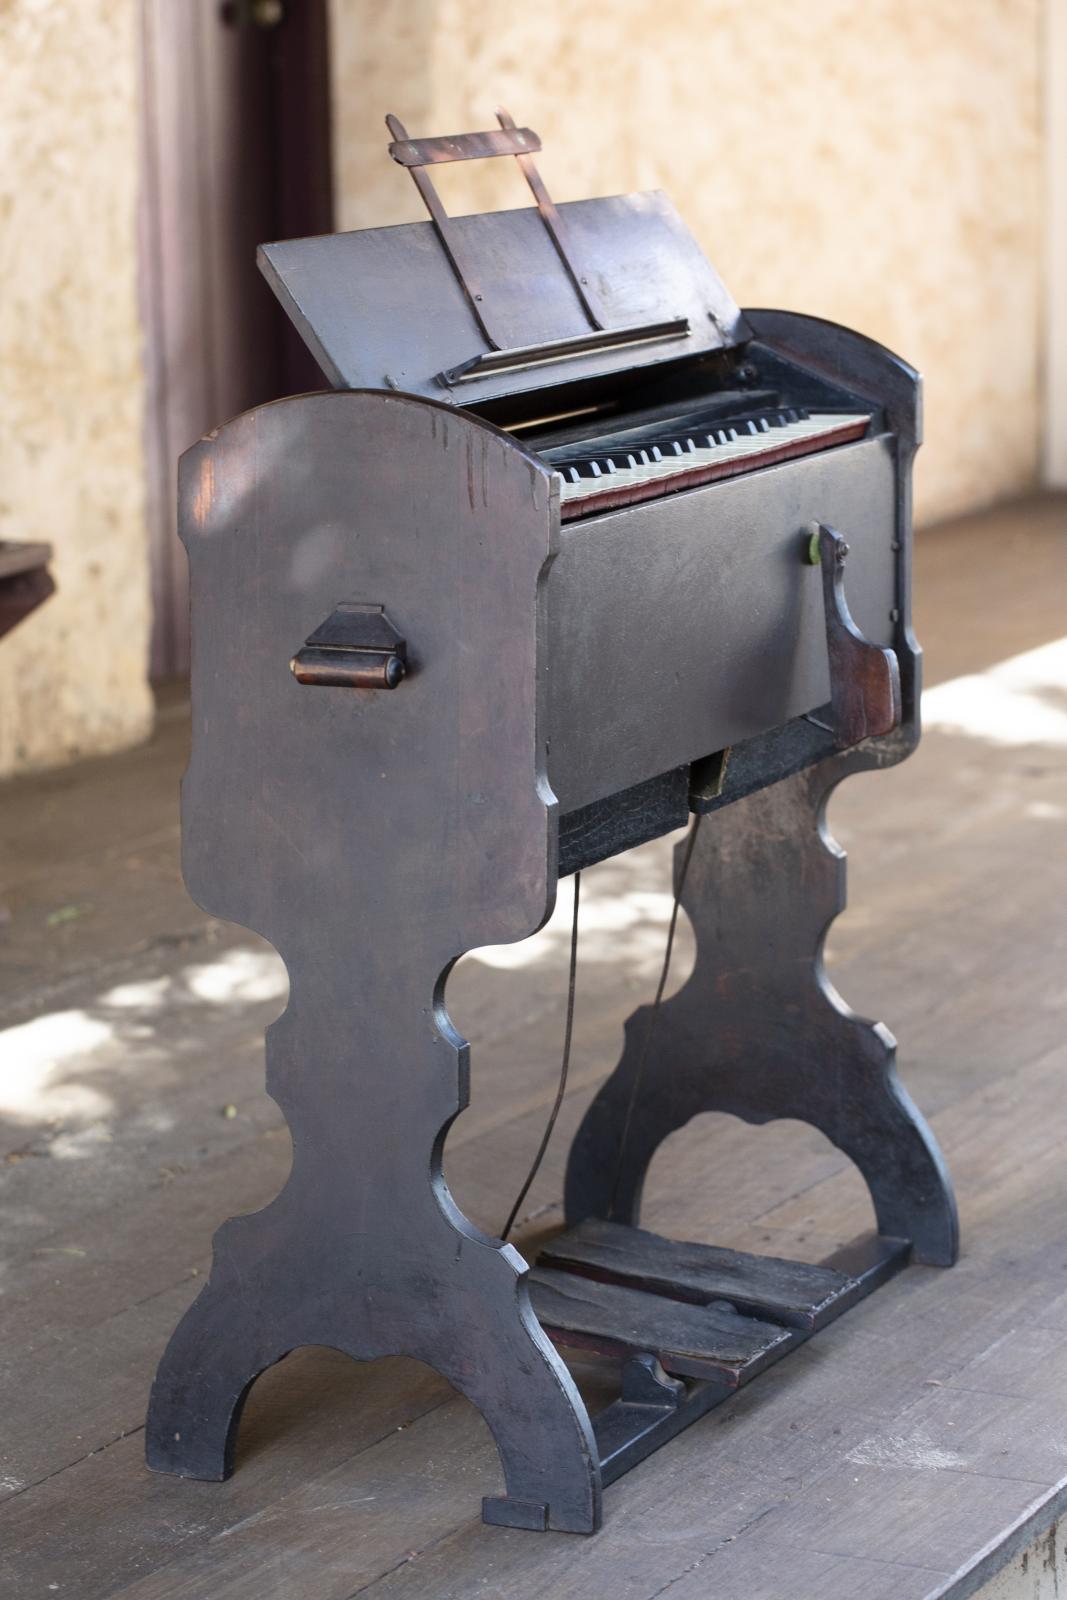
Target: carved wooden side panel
[372, 837]
[758, 1030]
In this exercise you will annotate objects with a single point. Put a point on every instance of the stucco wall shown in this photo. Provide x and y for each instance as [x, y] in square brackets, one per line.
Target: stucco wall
[878, 163]
[72, 676]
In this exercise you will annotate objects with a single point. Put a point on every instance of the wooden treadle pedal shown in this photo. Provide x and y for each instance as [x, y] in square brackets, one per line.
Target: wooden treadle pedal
[695, 1341]
[690, 1323]
[789, 1292]
[703, 1311]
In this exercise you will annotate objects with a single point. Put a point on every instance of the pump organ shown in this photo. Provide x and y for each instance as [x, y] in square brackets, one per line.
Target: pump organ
[559, 563]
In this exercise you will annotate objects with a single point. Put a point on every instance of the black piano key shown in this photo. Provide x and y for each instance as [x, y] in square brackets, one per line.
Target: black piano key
[661, 446]
[621, 434]
[678, 440]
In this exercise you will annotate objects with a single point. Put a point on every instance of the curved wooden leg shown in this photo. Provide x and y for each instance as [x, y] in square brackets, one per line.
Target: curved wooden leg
[472, 1322]
[420, 1281]
[201, 1385]
[759, 1032]
[505, 1364]
[542, 1432]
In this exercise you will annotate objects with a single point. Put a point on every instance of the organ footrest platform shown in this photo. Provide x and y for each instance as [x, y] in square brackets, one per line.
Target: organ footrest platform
[672, 1311]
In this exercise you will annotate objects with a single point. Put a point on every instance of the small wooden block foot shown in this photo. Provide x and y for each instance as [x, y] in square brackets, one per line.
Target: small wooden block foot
[500, 1512]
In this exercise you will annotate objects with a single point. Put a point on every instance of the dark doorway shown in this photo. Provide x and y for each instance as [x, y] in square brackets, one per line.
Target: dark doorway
[236, 131]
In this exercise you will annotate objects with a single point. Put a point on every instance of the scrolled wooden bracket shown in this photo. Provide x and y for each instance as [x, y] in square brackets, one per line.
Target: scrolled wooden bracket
[864, 677]
[357, 647]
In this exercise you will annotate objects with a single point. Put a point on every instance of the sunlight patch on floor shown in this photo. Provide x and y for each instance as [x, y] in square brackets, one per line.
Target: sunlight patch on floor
[34, 1053]
[1016, 702]
[44, 1062]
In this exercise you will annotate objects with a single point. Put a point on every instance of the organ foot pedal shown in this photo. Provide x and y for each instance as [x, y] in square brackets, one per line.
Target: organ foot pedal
[558, 565]
[690, 1324]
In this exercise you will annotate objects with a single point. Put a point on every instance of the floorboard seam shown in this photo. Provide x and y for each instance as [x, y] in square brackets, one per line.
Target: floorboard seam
[988, 1394]
[708, 1555]
[412, 1555]
[69, 1335]
[841, 1555]
[786, 1200]
[16, 1494]
[694, 1566]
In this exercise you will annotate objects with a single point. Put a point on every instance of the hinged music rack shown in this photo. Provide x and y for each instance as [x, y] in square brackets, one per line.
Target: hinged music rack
[472, 308]
[508, 140]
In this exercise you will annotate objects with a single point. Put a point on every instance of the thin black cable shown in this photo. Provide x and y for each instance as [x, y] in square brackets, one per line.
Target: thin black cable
[564, 1068]
[639, 1072]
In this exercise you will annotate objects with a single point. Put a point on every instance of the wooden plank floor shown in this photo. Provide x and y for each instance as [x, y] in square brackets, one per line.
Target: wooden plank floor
[908, 1451]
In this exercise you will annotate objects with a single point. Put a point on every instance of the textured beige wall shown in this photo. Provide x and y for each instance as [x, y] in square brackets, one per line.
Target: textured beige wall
[878, 163]
[72, 676]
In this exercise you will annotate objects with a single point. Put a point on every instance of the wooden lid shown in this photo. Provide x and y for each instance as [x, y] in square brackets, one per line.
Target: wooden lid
[385, 308]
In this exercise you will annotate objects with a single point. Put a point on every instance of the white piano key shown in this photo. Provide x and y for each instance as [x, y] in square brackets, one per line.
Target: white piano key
[734, 444]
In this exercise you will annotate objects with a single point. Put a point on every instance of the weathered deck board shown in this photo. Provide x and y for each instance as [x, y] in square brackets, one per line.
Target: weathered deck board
[882, 1459]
